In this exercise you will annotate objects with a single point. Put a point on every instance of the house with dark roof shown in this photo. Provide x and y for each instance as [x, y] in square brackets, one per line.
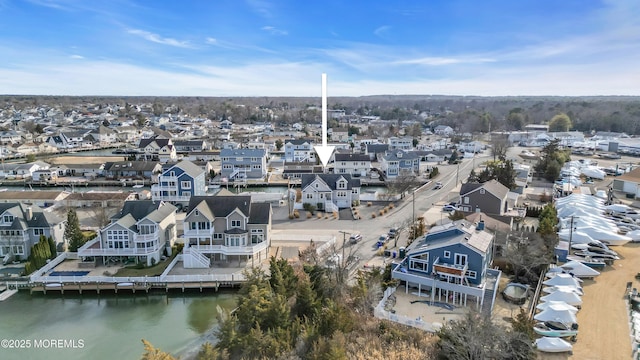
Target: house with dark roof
[376, 150]
[178, 183]
[158, 149]
[451, 264]
[330, 192]
[295, 170]
[68, 139]
[490, 197]
[400, 143]
[242, 164]
[226, 228]
[139, 170]
[21, 226]
[188, 146]
[299, 150]
[400, 163]
[355, 165]
[143, 230]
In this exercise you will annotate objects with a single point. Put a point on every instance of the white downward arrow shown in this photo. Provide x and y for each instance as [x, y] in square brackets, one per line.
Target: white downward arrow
[324, 151]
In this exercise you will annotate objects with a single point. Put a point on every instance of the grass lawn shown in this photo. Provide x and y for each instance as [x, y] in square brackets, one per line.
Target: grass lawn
[149, 271]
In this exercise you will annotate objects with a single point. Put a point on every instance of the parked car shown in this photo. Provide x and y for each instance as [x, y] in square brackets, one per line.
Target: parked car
[355, 238]
[449, 208]
[392, 233]
[438, 186]
[382, 239]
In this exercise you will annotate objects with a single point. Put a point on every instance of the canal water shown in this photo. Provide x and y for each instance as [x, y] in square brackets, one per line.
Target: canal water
[108, 326]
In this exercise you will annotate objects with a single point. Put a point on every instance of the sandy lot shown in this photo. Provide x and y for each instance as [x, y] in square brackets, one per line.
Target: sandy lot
[604, 323]
[83, 159]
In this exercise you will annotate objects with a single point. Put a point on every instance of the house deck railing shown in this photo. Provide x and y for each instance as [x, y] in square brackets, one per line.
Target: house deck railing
[230, 250]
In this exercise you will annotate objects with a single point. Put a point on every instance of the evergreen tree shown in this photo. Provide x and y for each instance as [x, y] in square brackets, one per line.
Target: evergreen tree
[72, 233]
[52, 247]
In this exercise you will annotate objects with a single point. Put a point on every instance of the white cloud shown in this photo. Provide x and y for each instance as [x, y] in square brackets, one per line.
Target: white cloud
[382, 31]
[211, 41]
[439, 61]
[261, 7]
[75, 56]
[274, 31]
[149, 36]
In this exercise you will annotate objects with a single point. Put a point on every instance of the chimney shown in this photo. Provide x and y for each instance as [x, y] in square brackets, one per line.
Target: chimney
[480, 226]
[29, 213]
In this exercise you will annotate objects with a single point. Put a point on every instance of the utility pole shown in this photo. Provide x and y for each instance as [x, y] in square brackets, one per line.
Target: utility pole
[344, 241]
[457, 171]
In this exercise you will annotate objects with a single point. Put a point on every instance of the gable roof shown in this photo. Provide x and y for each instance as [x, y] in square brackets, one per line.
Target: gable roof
[223, 205]
[405, 155]
[633, 176]
[297, 141]
[330, 180]
[138, 209]
[188, 167]
[377, 148]
[457, 232]
[492, 186]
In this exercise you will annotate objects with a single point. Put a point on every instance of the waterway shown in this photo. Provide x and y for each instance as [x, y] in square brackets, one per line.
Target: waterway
[109, 326]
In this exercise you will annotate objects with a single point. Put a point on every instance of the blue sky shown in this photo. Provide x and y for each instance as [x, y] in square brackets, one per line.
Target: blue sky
[281, 48]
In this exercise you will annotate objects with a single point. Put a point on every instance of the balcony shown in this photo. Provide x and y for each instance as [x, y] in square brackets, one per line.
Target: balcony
[13, 239]
[449, 269]
[230, 250]
[160, 197]
[145, 237]
[198, 232]
[94, 248]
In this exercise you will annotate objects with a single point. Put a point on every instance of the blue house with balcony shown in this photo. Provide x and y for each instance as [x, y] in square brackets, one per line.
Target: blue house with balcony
[400, 163]
[178, 183]
[452, 264]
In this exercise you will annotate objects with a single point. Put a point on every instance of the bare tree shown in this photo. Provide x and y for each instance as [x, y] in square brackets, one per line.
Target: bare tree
[499, 147]
[526, 253]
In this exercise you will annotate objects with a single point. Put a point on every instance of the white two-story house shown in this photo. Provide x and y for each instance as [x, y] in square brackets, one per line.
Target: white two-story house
[144, 230]
[330, 192]
[400, 143]
[355, 165]
[226, 228]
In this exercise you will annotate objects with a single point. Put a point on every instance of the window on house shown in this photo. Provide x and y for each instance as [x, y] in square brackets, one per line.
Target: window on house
[419, 263]
[185, 184]
[447, 255]
[38, 231]
[471, 274]
[482, 191]
[466, 200]
[235, 223]
[257, 236]
[309, 196]
[239, 159]
[460, 259]
[254, 159]
[8, 218]
[172, 173]
[256, 167]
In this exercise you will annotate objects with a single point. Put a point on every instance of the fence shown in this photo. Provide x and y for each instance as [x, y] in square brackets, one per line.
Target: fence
[381, 313]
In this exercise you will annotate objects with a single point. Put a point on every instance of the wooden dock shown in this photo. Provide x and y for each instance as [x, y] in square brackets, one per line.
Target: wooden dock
[61, 288]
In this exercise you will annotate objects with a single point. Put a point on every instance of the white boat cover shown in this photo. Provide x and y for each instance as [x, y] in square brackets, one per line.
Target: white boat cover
[564, 316]
[634, 235]
[620, 208]
[569, 297]
[579, 269]
[593, 172]
[554, 288]
[558, 305]
[563, 279]
[553, 344]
